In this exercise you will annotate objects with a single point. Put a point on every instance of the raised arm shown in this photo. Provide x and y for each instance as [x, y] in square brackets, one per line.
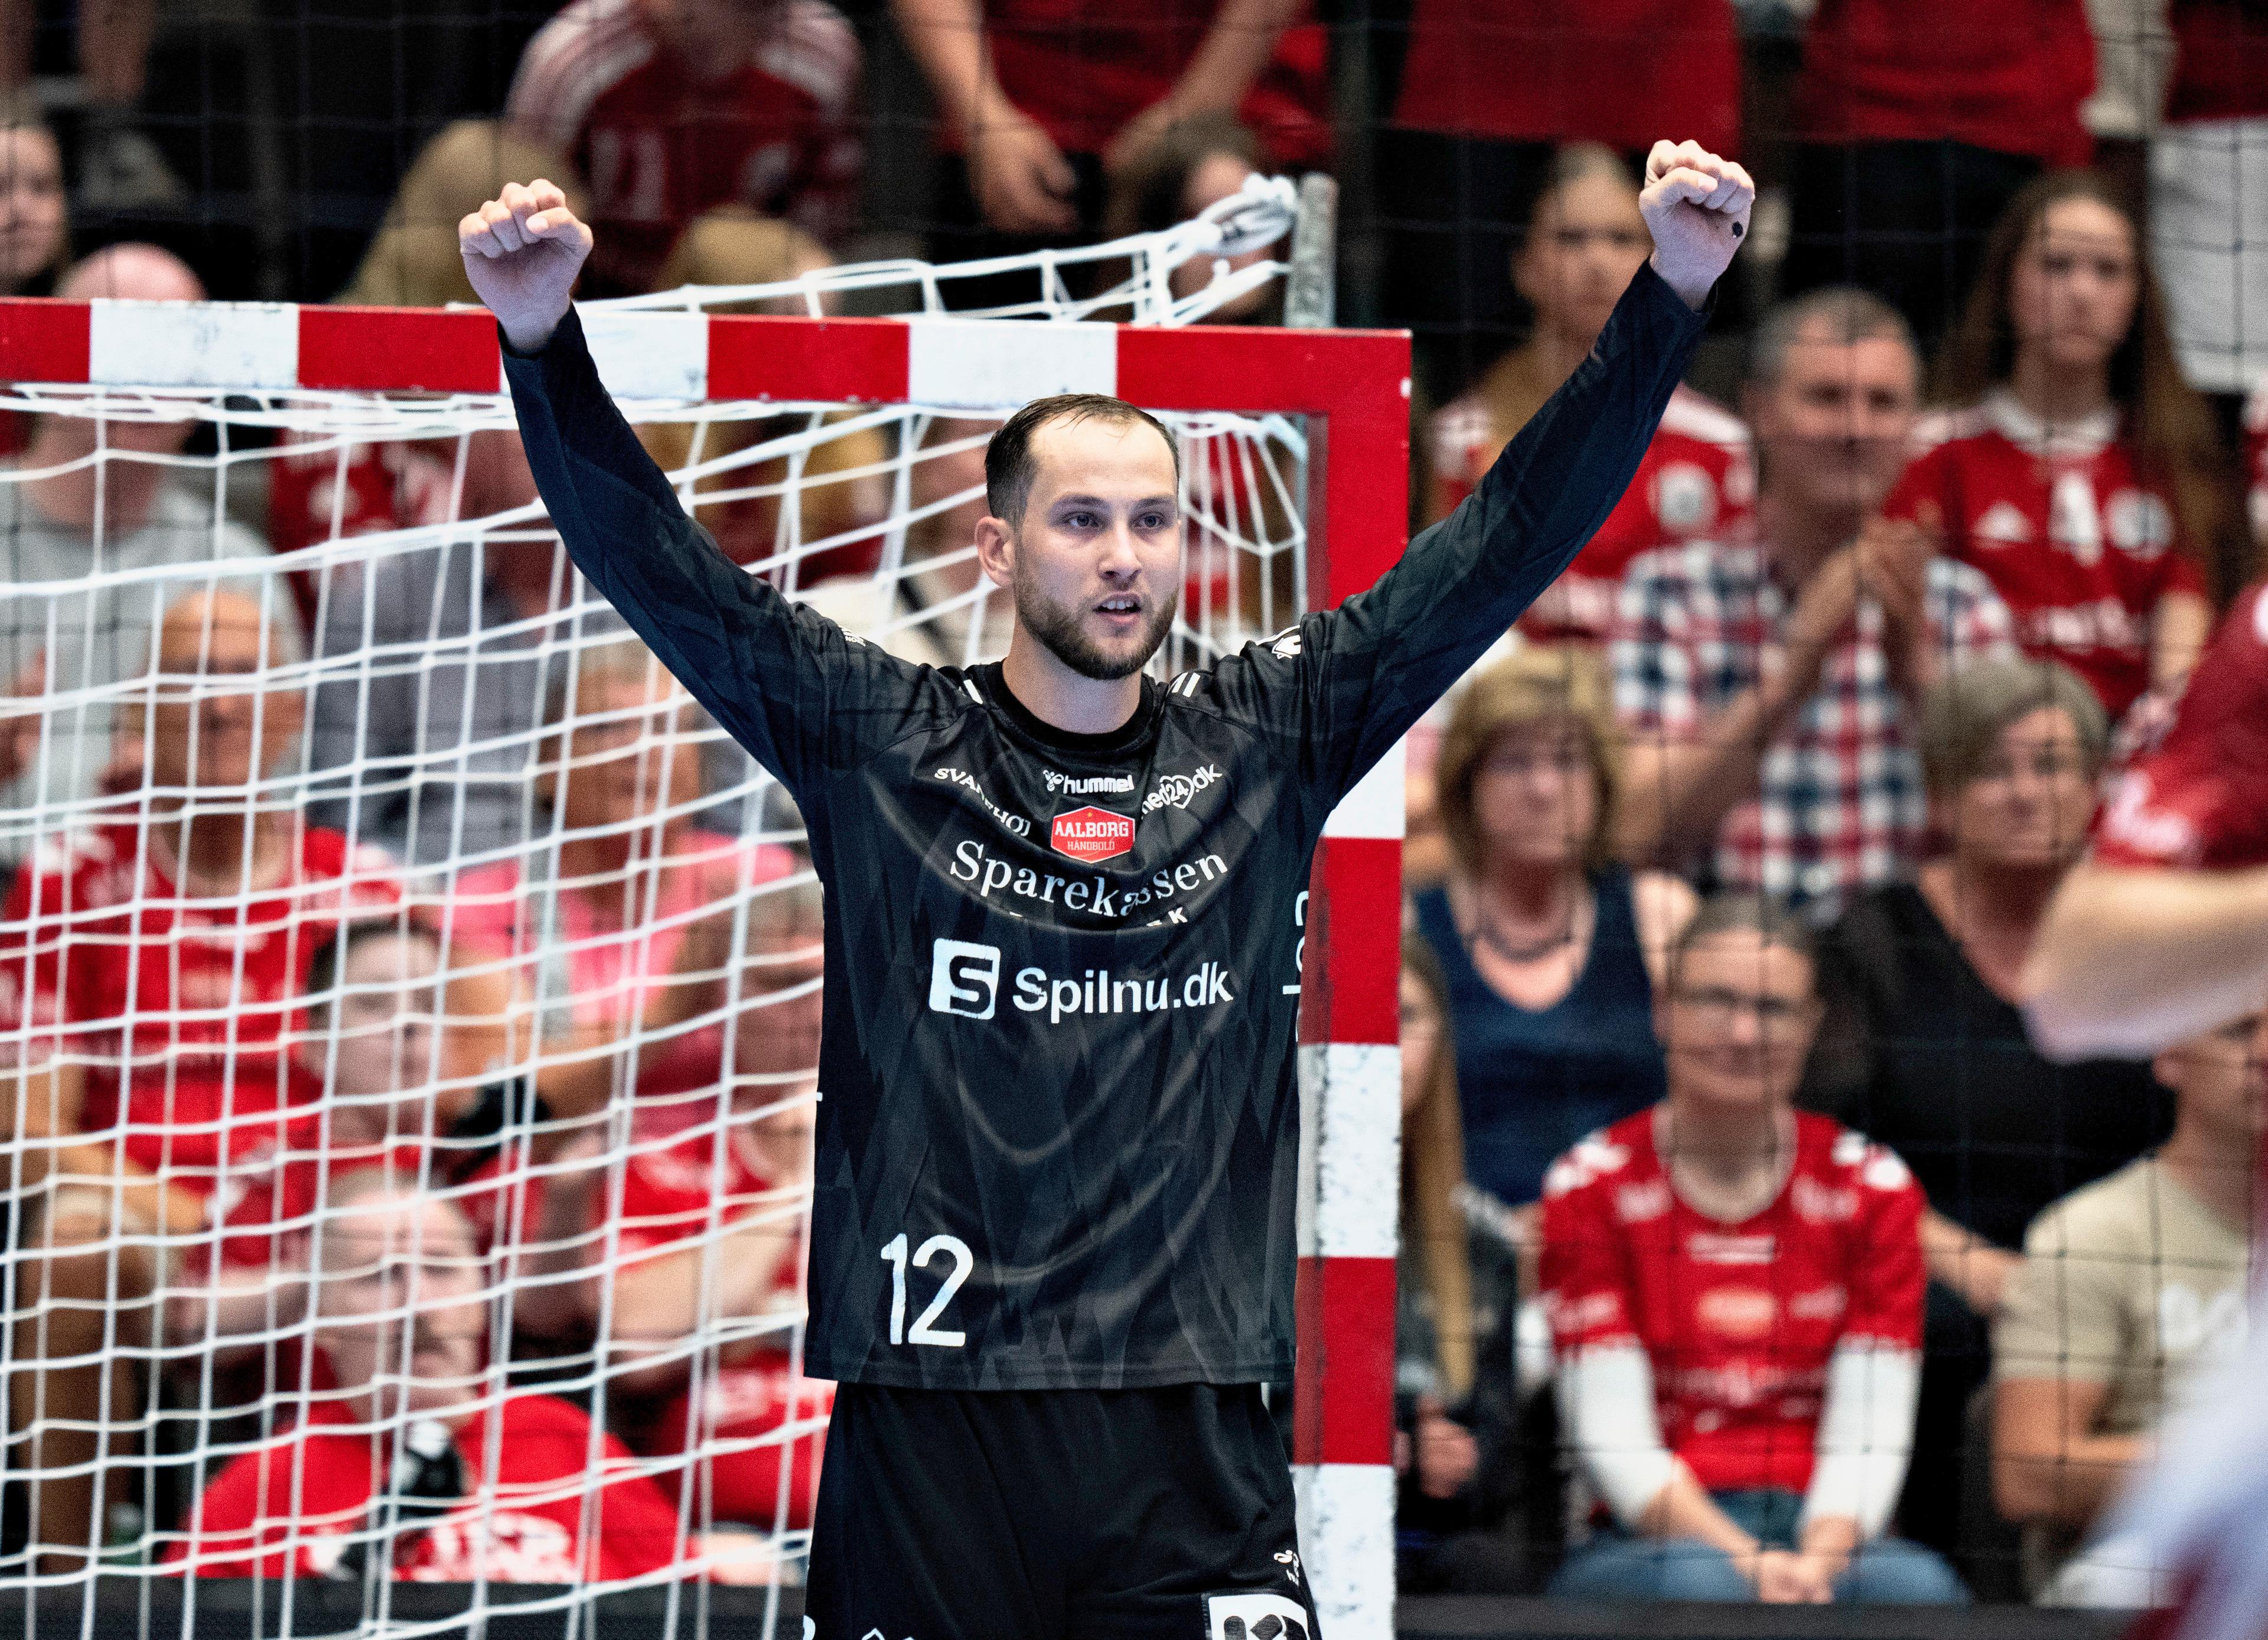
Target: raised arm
[1391, 652]
[784, 682]
[2129, 960]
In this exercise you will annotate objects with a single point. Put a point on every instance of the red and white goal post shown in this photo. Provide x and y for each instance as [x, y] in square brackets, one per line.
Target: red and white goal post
[1298, 470]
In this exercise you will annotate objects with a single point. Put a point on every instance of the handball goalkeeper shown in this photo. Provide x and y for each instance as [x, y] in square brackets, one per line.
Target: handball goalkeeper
[1052, 1242]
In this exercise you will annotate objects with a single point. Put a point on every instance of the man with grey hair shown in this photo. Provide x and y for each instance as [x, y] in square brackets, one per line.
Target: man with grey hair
[67, 515]
[1770, 683]
[151, 966]
[478, 1485]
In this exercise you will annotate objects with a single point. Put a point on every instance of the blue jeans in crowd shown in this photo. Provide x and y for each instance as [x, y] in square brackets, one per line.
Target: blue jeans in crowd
[1616, 1566]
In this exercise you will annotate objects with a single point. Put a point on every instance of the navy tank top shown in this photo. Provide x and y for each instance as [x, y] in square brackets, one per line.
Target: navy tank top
[1533, 1082]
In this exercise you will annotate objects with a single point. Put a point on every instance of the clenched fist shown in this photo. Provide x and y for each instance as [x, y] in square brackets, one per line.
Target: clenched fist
[1697, 207]
[522, 251]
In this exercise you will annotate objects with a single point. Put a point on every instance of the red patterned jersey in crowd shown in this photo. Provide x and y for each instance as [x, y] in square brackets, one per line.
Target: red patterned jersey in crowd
[96, 926]
[2008, 75]
[285, 1511]
[1622, 72]
[1697, 482]
[1739, 1320]
[2079, 547]
[1082, 69]
[2198, 797]
[329, 493]
[658, 144]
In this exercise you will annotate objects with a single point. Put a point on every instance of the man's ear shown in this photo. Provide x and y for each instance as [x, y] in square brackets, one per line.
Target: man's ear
[995, 550]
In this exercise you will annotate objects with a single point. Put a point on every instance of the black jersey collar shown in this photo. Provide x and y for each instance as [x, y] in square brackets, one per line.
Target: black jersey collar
[1115, 743]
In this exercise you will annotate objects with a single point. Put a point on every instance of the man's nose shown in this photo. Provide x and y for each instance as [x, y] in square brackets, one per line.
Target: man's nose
[1119, 559]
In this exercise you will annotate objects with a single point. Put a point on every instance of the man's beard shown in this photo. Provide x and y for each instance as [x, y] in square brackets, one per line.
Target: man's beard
[1056, 628]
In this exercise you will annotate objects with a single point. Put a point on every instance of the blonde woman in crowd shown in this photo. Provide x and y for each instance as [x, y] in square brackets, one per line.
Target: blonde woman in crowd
[1551, 950]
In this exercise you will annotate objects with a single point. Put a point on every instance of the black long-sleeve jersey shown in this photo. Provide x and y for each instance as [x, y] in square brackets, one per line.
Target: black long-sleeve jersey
[1058, 1126]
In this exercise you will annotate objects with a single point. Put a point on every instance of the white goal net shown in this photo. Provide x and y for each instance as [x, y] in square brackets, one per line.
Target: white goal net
[409, 1002]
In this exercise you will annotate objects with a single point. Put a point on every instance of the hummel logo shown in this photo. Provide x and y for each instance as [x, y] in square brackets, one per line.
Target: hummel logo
[1289, 1559]
[1286, 645]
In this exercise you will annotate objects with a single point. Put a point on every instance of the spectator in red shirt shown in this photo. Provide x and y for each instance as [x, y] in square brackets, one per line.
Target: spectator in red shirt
[1489, 91]
[1735, 1295]
[669, 108]
[1044, 103]
[1584, 243]
[706, 1236]
[321, 489]
[150, 970]
[1917, 120]
[2077, 469]
[617, 935]
[840, 487]
[395, 1043]
[483, 1485]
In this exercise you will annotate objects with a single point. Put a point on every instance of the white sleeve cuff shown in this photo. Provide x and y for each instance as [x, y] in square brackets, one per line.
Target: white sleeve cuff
[1606, 1401]
[1866, 1436]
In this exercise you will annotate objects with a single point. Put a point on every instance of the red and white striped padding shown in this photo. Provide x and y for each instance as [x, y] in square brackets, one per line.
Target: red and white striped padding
[1356, 383]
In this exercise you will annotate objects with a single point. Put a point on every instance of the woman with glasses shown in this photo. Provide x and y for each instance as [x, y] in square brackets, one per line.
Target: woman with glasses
[1735, 1295]
[1922, 1047]
[1550, 950]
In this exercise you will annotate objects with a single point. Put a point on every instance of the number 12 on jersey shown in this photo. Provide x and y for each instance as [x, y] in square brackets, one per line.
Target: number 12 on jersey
[924, 1329]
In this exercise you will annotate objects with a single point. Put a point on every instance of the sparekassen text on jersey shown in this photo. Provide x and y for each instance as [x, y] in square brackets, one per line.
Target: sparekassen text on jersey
[1057, 1141]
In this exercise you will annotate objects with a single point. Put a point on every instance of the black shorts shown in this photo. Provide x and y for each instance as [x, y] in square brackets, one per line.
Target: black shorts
[1054, 1514]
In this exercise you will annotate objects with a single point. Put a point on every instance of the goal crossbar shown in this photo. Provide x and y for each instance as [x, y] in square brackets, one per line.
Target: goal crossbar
[1354, 388]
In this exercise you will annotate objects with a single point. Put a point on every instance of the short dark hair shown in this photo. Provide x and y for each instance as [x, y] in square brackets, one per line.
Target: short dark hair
[1850, 315]
[1737, 911]
[1964, 713]
[328, 961]
[1009, 468]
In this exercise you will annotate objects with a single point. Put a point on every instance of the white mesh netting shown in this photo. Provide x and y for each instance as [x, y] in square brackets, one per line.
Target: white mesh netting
[412, 1004]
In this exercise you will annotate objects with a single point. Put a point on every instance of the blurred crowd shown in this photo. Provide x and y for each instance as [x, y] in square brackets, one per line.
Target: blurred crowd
[1750, 1249]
